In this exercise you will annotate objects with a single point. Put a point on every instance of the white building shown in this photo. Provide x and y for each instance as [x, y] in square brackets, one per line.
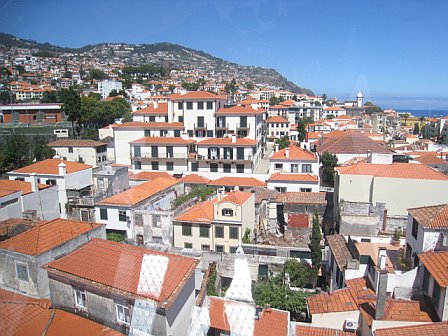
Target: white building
[89, 152]
[294, 159]
[287, 182]
[106, 86]
[278, 127]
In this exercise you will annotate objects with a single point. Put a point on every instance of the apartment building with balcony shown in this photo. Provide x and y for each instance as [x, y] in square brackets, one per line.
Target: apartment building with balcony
[154, 112]
[278, 127]
[294, 159]
[243, 121]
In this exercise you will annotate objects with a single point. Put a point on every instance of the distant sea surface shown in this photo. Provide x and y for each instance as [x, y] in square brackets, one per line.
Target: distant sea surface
[426, 113]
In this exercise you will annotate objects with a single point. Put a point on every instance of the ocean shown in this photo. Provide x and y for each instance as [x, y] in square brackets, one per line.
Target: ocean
[426, 113]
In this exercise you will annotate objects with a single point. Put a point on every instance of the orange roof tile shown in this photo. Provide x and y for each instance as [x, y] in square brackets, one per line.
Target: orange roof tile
[46, 236]
[434, 217]
[227, 142]
[50, 167]
[430, 159]
[118, 266]
[16, 185]
[196, 95]
[277, 107]
[239, 110]
[394, 170]
[230, 181]
[75, 143]
[293, 177]
[351, 143]
[303, 330]
[272, 321]
[163, 141]
[277, 119]
[139, 193]
[195, 179]
[237, 197]
[433, 329]
[339, 301]
[437, 264]
[149, 125]
[295, 153]
[161, 109]
[199, 213]
[302, 197]
[151, 175]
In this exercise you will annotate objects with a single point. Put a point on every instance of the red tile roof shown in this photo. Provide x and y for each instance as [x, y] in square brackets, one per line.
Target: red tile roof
[113, 265]
[437, 265]
[140, 193]
[227, 142]
[339, 250]
[433, 329]
[150, 125]
[164, 141]
[196, 95]
[161, 109]
[293, 177]
[151, 175]
[16, 185]
[47, 236]
[394, 170]
[230, 181]
[298, 221]
[339, 301]
[76, 143]
[295, 153]
[199, 213]
[430, 159]
[246, 109]
[272, 321]
[434, 217]
[50, 167]
[302, 330]
[277, 107]
[237, 197]
[302, 197]
[277, 119]
[351, 143]
[195, 179]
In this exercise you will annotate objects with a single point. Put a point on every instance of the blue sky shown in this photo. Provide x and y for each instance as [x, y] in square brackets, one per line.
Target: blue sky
[387, 49]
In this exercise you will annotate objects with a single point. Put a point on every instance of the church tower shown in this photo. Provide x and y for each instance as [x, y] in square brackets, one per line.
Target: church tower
[359, 99]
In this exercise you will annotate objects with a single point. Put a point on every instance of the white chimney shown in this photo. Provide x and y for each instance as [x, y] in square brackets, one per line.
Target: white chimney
[56, 157]
[382, 253]
[62, 168]
[184, 135]
[287, 152]
[233, 138]
[34, 184]
[156, 104]
[276, 147]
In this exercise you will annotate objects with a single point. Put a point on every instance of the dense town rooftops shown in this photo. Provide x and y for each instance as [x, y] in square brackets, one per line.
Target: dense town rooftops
[230, 181]
[127, 270]
[432, 217]
[351, 143]
[46, 236]
[16, 185]
[50, 167]
[295, 153]
[292, 177]
[227, 142]
[163, 141]
[150, 125]
[304, 330]
[139, 193]
[75, 143]
[394, 170]
[437, 265]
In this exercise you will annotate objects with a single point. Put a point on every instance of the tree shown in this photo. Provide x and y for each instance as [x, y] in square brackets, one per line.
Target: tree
[275, 100]
[71, 105]
[283, 142]
[329, 162]
[190, 86]
[171, 87]
[49, 97]
[314, 245]
[330, 116]
[231, 88]
[324, 98]
[405, 116]
[249, 85]
[97, 74]
[40, 149]
[246, 237]
[299, 273]
[416, 130]
[371, 108]
[113, 93]
[116, 237]
[15, 152]
[301, 129]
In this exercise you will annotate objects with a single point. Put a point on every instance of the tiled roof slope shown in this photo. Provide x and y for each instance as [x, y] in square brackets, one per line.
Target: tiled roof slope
[163, 141]
[394, 170]
[228, 142]
[292, 177]
[199, 213]
[351, 143]
[238, 181]
[302, 330]
[119, 266]
[302, 197]
[339, 249]
[75, 143]
[151, 175]
[16, 185]
[195, 95]
[21, 315]
[295, 153]
[50, 166]
[272, 321]
[139, 193]
[437, 264]
[239, 110]
[195, 179]
[430, 329]
[277, 119]
[162, 108]
[433, 217]
[47, 236]
[237, 197]
[338, 301]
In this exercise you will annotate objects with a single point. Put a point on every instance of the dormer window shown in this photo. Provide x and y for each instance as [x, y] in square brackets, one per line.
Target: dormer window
[227, 212]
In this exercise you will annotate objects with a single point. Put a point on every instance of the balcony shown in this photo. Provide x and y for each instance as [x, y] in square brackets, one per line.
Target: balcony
[200, 126]
[159, 156]
[242, 127]
[224, 158]
[222, 126]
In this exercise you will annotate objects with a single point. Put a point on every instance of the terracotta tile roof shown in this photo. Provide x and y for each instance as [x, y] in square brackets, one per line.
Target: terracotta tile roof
[302, 330]
[339, 250]
[293, 177]
[6, 192]
[230, 181]
[237, 197]
[277, 119]
[50, 167]
[199, 213]
[245, 109]
[161, 109]
[75, 143]
[361, 289]
[196, 95]
[277, 107]
[351, 143]
[227, 142]
[16, 185]
[139, 193]
[434, 217]
[339, 301]
[430, 159]
[150, 125]
[119, 266]
[21, 315]
[47, 236]
[437, 265]
[195, 179]
[298, 221]
[151, 175]
[272, 321]
[333, 108]
[295, 153]
[288, 102]
[394, 170]
[163, 141]
[433, 329]
[262, 193]
[302, 197]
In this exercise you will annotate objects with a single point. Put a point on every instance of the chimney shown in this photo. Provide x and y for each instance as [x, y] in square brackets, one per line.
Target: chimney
[34, 184]
[385, 220]
[220, 192]
[382, 253]
[62, 168]
[156, 104]
[287, 152]
[381, 294]
[233, 138]
[331, 285]
[276, 147]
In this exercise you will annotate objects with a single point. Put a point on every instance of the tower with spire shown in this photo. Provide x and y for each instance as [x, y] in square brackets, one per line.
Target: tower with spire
[359, 99]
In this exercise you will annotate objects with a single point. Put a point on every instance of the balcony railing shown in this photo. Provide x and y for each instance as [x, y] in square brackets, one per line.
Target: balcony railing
[200, 126]
[221, 126]
[159, 156]
[242, 127]
[224, 158]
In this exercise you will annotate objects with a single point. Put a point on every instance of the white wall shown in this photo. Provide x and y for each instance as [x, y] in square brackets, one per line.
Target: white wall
[293, 186]
[13, 210]
[333, 320]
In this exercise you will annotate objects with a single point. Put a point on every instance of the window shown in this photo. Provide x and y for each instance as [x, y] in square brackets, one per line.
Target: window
[156, 221]
[305, 189]
[414, 228]
[80, 298]
[70, 149]
[240, 168]
[214, 167]
[189, 105]
[278, 166]
[50, 182]
[170, 165]
[300, 254]
[123, 314]
[122, 215]
[219, 232]
[436, 294]
[180, 105]
[219, 248]
[233, 249]
[280, 189]
[200, 105]
[155, 165]
[147, 133]
[22, 271]
[9, 202]
[209, 105]
[176, 133]
[204, 231]
[186, 229]
[294, 168]
[227, 167]
[103, 214]
[306, 168]
[137, 165]
[205, 247]
[194, 166]
[188, 245]
[227, 212]
[233, 233]
[169, 151]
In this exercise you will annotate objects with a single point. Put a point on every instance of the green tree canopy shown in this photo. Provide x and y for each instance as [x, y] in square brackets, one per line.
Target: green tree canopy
[283, 142]
[416, 130]
[15, 152]
[329, 162]
[40, 149]
[49, 97]
[314, 245]
[71, 105]
[371, 108]
[97, 74]
[301, 129]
